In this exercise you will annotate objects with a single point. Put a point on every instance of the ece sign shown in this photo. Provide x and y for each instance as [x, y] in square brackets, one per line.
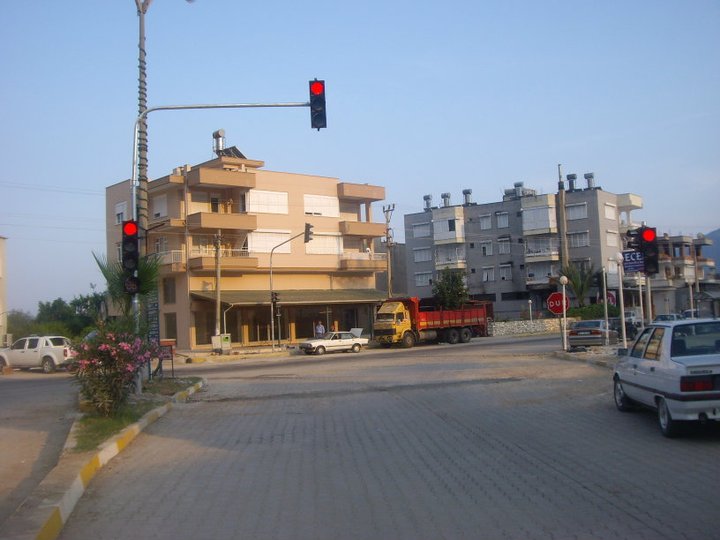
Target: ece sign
[633, 261]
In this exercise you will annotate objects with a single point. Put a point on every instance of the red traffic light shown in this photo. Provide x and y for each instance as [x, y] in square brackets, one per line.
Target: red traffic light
[648, 235]
[130, 228]
[317, 87]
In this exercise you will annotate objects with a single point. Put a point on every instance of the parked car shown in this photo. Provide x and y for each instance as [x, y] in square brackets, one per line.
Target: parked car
[630, 329]
[46, 352]
[332, 342]
[674, 368]
[690, 314]
[668, 317]
[592, 332]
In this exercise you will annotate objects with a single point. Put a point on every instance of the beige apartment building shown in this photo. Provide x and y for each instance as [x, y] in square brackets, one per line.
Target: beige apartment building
[231, 211]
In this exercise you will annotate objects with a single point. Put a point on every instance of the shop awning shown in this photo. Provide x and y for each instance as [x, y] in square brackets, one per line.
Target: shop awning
[295, 297]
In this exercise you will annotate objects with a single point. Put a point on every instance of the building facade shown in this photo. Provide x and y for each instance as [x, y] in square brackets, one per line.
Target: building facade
[226, 229]
[511, 251]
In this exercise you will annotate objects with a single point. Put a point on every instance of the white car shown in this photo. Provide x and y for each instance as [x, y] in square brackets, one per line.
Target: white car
[46, 352]
[332, 342]
[673, 367]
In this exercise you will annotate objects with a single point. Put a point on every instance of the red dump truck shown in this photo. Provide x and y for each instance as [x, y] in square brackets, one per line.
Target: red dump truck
[408, 321]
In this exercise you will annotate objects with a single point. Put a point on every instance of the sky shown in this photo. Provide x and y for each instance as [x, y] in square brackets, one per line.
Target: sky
[422, 98]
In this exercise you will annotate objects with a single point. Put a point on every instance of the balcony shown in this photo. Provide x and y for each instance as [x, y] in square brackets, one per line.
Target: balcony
[220, 178]
[370, 262]
[214, 221]
[172, 261]
[450, 263]
[362, 228]
[542, 254]
[360, 192]
[203, 259]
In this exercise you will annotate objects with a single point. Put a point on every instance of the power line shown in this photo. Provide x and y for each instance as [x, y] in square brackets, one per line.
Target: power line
[54, 189]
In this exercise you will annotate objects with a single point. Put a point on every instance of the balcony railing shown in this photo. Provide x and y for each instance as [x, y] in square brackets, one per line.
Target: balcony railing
[209, 251]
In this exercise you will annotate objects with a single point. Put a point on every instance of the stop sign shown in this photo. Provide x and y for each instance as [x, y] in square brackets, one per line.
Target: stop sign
[556, 301]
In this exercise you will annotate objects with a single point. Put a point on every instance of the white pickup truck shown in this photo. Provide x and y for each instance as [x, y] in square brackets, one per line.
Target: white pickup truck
[334, 341]
[46, 352]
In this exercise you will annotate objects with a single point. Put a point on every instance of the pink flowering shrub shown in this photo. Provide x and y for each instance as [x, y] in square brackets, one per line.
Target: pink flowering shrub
[106, 369]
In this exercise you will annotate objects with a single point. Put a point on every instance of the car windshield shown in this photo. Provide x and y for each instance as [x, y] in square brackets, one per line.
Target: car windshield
[696, 339]
[385, 316]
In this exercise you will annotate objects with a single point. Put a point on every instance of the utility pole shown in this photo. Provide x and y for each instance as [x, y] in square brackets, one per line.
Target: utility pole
[388, 211]
[142, 140]
[218, 243]
[562, 222]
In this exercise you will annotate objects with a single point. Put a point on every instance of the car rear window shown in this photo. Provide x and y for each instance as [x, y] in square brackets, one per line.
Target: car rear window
[57, 341]
[696, 339]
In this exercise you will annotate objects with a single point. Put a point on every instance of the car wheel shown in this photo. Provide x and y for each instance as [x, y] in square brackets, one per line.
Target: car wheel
[452, 336]
[320, 350]
[465, 335]
[622, 402]
[356, 347]
[3, 362]
[408, 340]
[668, 427]
[48, 366]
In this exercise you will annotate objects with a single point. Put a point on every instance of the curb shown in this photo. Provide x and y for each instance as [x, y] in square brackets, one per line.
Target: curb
[598, 360]
[44, 513]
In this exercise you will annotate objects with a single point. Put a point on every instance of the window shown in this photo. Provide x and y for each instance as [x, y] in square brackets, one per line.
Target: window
[504, 246]
[488, 273]
[120, 212]
[421, 230]
[422, 254]
[265, 241]
[506, 273]
[33, 343]
[161, 245]
[610, 211]
[325, 244]
[612, 238]
[579, 239]
[485, 222]
[423, 279]
[502, 220]
[159, 206]
[168, 287]
[576, 211]
[486, 248]
[539, 218]
[653, 349]
[170, 326]
[451, 225]
[267, 202]
[322, 205]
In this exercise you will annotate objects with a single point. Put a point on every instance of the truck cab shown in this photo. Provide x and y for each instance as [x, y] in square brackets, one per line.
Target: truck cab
[392, 323]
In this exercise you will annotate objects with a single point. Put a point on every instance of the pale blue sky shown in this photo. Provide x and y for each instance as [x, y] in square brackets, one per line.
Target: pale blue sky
[423, 98]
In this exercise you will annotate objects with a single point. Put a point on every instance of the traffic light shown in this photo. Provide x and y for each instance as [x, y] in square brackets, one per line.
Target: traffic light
[633, 239]
[130, 252]
[649, 248]
[131, 285]
[317, 104]
[308, 232]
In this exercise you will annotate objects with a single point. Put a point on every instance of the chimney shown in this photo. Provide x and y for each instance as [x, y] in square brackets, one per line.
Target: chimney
[428, 202]
[218, 141]
[590, 178]
[446, 199]
[466, 196]
[518, 189]
[571, 178]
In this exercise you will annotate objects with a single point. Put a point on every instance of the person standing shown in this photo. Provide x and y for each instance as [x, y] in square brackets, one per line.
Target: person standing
[319, 329]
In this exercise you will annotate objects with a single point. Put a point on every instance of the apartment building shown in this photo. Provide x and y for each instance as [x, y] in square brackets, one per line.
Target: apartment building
[510, 250]
[231, 211]
[687, 279]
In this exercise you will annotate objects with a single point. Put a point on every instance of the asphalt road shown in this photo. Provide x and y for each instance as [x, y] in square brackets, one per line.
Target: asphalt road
[36, 413]
[436, 442]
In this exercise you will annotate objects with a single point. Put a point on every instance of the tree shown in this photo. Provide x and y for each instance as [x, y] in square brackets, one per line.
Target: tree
[20, 324]
[148, 273]
[580, 281]
[449, 290]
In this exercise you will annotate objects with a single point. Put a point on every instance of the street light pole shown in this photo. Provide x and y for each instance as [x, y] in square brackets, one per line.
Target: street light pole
[620, 261]
[563, 282]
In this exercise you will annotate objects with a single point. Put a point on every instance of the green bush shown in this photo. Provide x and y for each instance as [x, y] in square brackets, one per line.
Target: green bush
[593, 311]
[106, 369]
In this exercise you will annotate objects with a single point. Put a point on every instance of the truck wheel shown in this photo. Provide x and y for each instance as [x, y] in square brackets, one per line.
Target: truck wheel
[465, 335]
[452, 336]
[48, 366]
[408, 340]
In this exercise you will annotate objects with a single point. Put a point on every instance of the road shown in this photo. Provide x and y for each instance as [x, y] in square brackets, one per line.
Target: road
[436, 442]
[36, 413]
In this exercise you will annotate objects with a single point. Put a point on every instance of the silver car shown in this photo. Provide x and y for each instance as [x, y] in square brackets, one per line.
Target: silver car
[674, 368]
[593, 332]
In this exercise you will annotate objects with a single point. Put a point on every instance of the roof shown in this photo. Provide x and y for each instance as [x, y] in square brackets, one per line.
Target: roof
[297, 297]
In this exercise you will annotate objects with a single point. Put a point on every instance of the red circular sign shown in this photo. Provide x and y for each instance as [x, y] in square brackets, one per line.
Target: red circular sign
[555, 303]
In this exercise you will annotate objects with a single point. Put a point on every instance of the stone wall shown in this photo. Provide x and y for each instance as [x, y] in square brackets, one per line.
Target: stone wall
[540, 326]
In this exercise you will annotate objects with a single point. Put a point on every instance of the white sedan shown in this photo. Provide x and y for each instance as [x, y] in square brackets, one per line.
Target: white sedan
[332, 342]
[673, 367]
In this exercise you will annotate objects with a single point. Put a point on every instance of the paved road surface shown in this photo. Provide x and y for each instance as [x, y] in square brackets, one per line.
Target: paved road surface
[454, 444]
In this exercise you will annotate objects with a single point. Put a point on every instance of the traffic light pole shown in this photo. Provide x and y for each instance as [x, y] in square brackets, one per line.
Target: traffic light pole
[272, 311]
